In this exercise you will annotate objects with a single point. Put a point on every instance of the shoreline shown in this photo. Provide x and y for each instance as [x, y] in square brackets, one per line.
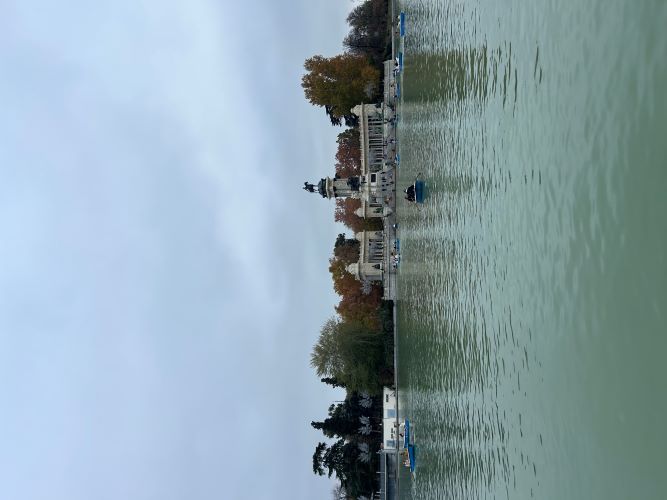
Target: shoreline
[392, 17]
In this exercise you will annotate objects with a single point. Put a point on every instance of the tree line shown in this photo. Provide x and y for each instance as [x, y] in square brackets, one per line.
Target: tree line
[354, 350]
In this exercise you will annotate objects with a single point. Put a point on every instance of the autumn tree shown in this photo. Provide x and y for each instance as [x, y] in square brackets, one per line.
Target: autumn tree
[343, 281]
[345, 213]
[346, 250]
[348, 164]
[356, 304]
[348, 153]
[359, 306]
[338, 83]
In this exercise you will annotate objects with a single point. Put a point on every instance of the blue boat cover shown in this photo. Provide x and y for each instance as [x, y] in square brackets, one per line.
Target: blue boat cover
[406, 440]
[402, 17]
[419, 191]
[408, 443]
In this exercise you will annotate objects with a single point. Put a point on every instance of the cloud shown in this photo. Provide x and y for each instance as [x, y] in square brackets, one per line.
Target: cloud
[163, 275]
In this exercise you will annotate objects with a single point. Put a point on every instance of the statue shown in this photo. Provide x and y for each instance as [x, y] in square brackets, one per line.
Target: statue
[309, 187]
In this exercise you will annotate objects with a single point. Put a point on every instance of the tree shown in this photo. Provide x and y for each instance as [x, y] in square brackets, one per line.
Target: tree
[343, 419]
[345, 213]
[338, 83]
[342, 458]
[368, 30]
[344, 283]
[335, 458]
[352, 353]
[361, 305]
[325, 357]
[338, 492]
[346, 250]
[317, 459]
[362, 352]
[332, 381]
[356, 303]
[348, 154]
[334, 120]
[359, 301]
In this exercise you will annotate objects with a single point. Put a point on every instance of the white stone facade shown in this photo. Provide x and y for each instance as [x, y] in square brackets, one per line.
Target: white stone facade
[375, 188]
[371, 257]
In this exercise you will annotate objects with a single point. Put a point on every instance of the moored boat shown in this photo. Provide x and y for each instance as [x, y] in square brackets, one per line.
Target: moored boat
[420, 189]
[409, 446]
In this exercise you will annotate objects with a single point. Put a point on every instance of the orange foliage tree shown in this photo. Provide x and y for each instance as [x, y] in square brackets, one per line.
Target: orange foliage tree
[338, 83]
[355, 305]
[348, 154]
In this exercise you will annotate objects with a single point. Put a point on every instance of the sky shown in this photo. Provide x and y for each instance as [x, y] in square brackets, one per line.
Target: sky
[163, 277]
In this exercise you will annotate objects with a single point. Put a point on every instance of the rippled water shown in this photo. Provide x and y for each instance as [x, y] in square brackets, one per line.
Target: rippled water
[533, 284]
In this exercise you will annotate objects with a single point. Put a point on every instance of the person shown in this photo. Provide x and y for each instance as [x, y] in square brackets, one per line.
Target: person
[410, 193]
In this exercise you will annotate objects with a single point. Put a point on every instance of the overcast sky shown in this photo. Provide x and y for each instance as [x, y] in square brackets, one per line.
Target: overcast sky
[162, 274]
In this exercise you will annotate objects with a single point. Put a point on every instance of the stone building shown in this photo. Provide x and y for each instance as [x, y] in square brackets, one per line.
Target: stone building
[371, 257]
[374, 187]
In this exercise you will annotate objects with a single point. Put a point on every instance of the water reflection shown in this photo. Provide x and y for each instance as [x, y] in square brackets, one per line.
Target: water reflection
[460, 74]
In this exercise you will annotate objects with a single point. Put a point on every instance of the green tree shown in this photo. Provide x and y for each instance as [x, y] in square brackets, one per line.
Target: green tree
[339, 83]
[318, 457]
[342, 459]
[332, 381]
[325, 357]
[368, 30]
[343, 420]
[338, 492]
[352, 353]
[338, 459]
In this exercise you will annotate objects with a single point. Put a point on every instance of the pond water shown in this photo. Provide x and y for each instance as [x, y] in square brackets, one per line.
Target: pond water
[532, 307]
